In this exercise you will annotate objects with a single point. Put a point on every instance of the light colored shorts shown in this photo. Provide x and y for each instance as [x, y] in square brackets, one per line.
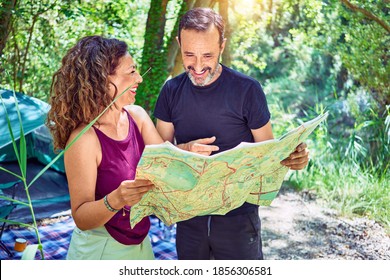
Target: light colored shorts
[98, 244]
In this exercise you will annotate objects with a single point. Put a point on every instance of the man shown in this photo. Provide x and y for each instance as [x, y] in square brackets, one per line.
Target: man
[212, 108]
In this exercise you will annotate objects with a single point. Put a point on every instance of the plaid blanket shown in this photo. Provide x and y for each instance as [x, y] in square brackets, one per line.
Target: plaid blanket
[55, 240]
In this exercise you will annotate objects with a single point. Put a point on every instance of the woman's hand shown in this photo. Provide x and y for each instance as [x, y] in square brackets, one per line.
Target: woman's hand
[129, 193]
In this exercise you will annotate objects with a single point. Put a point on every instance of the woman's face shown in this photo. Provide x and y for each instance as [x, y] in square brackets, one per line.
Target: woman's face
[127, 78]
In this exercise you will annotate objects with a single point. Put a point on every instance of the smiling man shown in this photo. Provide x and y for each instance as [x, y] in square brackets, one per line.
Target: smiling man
[201, 52]
[212, 108]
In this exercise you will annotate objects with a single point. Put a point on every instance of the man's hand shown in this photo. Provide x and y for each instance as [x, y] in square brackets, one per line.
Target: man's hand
[298, 159]
[200, 146]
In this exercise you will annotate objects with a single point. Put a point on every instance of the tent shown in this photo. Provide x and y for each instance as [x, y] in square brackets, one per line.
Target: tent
[49, 193]
[32, 110]
[33, 114]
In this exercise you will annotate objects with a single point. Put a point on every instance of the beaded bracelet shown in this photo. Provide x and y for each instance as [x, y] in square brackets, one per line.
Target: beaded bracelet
[108, 206]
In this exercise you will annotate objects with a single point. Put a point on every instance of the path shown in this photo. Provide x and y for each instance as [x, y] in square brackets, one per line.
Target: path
[296, 226]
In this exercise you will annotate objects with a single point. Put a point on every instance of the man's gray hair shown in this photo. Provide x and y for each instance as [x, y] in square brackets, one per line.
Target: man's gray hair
[200, 19]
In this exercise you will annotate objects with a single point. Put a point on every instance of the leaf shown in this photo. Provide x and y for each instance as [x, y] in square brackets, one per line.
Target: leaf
[12, 173]
[22, 147]
[14, 200]
[30, 252]
[15, 223]
[10, 129]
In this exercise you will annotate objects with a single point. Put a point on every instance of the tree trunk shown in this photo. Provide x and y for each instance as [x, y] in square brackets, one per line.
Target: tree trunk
[205, 3]
[178, 68]
[5, 23]
[153, 55]
[173, 46]
[23, 70]
[224, 12]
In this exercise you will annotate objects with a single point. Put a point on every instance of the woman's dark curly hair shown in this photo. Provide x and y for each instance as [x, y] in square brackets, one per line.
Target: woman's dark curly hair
[80, 88]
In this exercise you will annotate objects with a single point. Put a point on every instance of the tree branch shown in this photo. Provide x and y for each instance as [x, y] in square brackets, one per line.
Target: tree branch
[31, 30]
[367, 14]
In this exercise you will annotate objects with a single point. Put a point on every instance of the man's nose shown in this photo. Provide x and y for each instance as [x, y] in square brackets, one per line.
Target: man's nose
[198, 65]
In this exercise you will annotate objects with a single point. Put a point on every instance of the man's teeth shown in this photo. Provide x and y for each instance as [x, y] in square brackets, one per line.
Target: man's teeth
[200, 72]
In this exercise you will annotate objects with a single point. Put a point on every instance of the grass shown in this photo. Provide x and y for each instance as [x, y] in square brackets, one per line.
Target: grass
[348, 188]
[350, 176]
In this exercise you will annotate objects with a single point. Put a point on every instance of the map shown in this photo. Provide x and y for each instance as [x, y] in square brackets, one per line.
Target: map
[189, 184]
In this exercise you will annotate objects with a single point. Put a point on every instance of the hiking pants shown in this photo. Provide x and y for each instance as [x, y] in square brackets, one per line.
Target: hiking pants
[218, 237]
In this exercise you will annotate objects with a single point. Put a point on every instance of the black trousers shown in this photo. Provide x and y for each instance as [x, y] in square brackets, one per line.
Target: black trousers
[220, 237]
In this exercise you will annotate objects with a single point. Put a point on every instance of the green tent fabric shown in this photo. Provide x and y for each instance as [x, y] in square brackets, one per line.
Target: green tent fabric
[33, 114]
[49, 193]
[32, 110]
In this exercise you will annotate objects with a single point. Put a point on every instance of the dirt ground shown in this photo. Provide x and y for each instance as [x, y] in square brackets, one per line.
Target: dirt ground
[298, 226]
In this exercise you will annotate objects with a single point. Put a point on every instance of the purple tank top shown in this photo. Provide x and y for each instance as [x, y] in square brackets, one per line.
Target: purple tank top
[119, 163]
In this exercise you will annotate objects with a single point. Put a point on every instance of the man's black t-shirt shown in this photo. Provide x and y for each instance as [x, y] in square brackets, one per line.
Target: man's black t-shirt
[228, 109]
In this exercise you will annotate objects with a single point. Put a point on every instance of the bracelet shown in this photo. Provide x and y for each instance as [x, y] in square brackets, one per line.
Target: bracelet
[108, 206]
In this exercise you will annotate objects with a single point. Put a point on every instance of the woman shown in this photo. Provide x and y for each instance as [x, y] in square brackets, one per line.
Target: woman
[101, 164]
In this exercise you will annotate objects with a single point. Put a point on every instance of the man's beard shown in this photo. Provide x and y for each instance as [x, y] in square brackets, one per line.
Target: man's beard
[208, 78]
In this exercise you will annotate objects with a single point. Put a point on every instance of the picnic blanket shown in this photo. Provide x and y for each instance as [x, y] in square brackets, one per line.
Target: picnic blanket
[55, 238]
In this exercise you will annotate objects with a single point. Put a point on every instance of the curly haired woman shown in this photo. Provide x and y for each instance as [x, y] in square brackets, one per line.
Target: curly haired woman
[101, 164]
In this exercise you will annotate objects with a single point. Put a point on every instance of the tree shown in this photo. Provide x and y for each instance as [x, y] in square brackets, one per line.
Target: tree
[367, 14]
[174, 62]
[153, 54]
[6, 10]
[42, 31]
[29, 14]
[223, 10]
[367, 57]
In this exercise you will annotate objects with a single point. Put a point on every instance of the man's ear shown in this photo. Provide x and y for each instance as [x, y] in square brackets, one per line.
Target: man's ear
[223, 45]
[178, 42]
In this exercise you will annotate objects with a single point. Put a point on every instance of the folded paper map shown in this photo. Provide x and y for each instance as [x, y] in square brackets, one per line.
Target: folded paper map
[190, 184]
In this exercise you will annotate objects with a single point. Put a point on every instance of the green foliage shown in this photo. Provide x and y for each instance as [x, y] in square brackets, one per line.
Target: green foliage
[311, 55]
[363, 48]
[55, 26]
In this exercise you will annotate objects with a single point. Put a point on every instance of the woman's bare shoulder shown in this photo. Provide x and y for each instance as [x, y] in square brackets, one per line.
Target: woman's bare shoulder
[85, 138]
[136, 110]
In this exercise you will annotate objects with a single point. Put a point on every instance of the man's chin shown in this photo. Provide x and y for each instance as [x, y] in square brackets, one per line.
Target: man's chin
[200, 82]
